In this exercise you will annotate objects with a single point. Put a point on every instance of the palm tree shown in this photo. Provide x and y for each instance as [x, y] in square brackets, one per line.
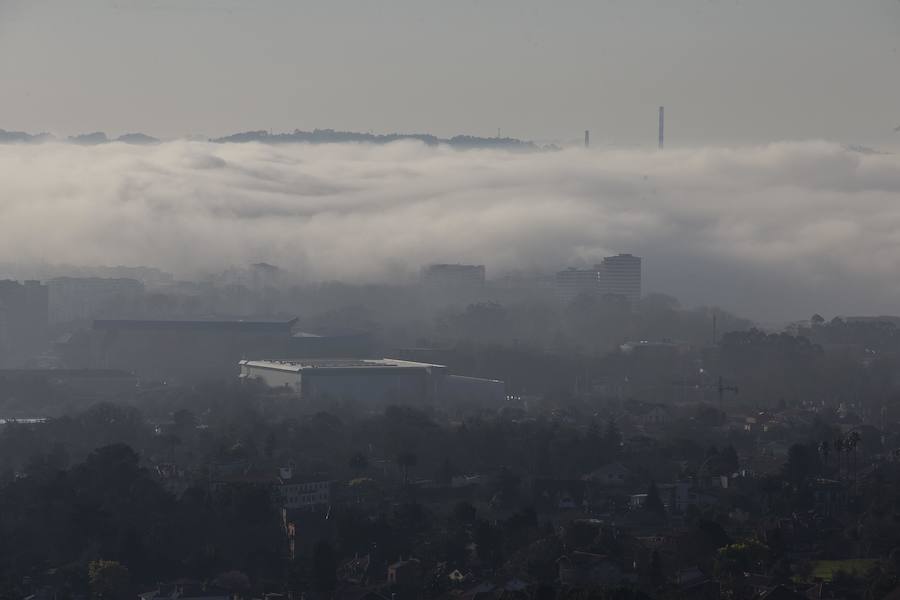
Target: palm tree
[839, 448]
[853, 439]
[825, 449]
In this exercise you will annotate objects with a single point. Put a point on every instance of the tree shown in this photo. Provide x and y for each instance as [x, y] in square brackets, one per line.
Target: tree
[612, 437]
[802, 464]
[185, 421]
[734, 560]
[233, 581]
[656, 574]
[653, 503]
[406, 460]
[728, 459]
[359, 463]
[270, 445]
[825, 451]
[464, 512]
[324, 568]
[851, 443]
[446, 473]
[109, 580]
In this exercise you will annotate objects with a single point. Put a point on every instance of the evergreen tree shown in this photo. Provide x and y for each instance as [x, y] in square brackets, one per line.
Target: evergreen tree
[653, 502]
[612, 437]
[324, 568]
[657, 577]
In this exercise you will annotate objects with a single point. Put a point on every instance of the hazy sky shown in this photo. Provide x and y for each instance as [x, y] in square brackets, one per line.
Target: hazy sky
[728, 71]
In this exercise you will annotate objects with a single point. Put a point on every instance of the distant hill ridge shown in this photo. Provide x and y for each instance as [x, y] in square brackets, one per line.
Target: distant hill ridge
[84, 139]
[317, 136]
[331, 136]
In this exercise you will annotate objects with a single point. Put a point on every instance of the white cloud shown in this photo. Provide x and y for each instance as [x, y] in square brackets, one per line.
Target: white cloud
[774, 232]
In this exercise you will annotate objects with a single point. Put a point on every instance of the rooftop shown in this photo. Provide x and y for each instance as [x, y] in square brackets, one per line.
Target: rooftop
[273, 325]
[308, 364]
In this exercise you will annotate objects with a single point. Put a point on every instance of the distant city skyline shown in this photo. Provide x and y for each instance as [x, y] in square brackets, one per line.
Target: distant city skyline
[727, 72]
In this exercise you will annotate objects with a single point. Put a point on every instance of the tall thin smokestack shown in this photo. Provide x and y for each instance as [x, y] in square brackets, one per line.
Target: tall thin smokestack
[662, 125]
[587, 138]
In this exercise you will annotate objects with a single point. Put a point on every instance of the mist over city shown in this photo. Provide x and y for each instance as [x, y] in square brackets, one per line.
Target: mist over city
[768, 231]
[421, 300]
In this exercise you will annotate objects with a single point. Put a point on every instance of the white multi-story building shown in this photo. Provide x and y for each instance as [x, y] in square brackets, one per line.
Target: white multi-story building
[304, 494]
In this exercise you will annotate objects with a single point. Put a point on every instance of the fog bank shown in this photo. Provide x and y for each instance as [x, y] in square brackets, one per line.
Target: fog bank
[773, 232]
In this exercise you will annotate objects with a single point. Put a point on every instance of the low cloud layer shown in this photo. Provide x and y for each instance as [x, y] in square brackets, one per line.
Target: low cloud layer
[774, 232]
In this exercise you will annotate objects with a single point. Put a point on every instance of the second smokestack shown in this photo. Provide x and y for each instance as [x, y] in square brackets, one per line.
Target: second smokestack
[662, 125]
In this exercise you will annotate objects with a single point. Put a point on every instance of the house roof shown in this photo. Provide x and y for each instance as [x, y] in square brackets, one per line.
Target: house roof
[601, 473]
[781, 592]
[584, 560]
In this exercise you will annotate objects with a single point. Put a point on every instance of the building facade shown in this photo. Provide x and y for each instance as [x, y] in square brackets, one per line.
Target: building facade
[618, 275]
[373, 381]
[370, 380]
[621, 275]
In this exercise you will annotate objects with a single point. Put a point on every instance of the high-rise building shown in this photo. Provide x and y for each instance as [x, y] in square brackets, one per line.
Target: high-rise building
[621, 275]
[618, 275]
[574, 282]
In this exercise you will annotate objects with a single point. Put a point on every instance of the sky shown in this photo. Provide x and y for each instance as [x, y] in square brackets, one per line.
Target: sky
[729, 72]
[772, 232]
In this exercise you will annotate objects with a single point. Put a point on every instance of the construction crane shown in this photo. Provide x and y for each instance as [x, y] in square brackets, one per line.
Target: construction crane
[719, 387]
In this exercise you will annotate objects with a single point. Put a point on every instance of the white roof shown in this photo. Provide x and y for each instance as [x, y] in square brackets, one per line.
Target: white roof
[310, 364]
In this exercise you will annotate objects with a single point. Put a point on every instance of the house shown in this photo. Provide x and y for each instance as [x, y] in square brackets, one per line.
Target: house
[185, 589]
[457, 577]
[405, 573]
[355, 570]
[760, 584]
[781, 592]
[358, 593]
[636, 501]
[584, 569]
[692, 584]
[681, 495]
[649, 414]
[458, 481]
[551, 495]
[612, 475]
